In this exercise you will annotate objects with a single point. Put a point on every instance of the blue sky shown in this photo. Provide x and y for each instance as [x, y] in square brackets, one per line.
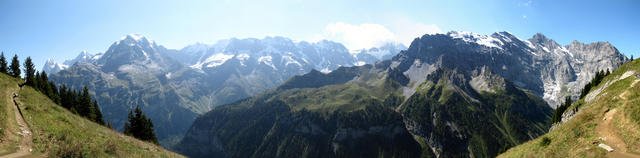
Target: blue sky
[61, 29]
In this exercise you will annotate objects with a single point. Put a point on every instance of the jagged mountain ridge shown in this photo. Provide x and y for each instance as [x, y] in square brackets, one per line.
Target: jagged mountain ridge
[174, 86]
[539, 64]
[271, 51]
[451, 92]
[52, 67]
[387, 109]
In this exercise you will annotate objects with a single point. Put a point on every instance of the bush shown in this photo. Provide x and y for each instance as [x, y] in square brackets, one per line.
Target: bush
[545, 141]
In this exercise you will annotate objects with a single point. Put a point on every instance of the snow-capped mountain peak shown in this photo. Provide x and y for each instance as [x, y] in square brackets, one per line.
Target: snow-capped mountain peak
[136, 51]
[282, 54]
[135, 39]
[84, 56]
[52, 67]
[484, 40]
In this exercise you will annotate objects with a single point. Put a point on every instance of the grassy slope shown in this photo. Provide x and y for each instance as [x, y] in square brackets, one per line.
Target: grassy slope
[577, 137]
[59, 133]
[8, 139]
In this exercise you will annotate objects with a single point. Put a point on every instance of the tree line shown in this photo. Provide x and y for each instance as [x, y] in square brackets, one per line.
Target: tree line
[78, 102]
[557, 114]
[594, 82]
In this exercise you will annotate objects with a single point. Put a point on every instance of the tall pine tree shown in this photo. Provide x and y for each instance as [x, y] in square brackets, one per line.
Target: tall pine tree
[139, 126]
[98, 113]
[37, 81]
[65, 96]
[15, 67]
[85, 106]
[73, 98]
[3, 64]
[56, 95]
[44, 85]
[29, 72]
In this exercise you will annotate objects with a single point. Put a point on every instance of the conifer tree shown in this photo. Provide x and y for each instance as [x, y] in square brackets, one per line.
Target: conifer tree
[45, 85]
[15, 67]
[139, 126]
[3, 64]
[29, 72]
[557, 114]
[98, 113]
[65, 97]
[85, 106]
[74, 101]
[56, 96]
[37, 81]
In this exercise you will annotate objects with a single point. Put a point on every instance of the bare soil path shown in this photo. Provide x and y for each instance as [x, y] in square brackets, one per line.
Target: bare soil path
[26, 143]
[607, 131]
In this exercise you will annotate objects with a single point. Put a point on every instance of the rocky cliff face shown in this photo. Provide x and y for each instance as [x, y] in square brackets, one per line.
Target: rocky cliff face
[539, 64]
[566, 69]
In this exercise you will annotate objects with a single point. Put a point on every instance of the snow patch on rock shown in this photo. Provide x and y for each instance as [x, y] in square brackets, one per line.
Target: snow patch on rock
[267, 60]
[471, 37]
[213, 61]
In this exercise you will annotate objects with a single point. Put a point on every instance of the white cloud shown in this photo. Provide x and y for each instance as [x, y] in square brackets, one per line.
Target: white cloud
[407, 30]
[372, 35]
[524, 17]
[358, 36]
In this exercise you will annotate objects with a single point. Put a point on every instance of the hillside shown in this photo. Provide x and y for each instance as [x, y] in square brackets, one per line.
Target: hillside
[44, 129]
[609, 114]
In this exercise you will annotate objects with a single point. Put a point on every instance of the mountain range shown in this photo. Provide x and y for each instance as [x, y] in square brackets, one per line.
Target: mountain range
[458, 94]
[173, 87]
